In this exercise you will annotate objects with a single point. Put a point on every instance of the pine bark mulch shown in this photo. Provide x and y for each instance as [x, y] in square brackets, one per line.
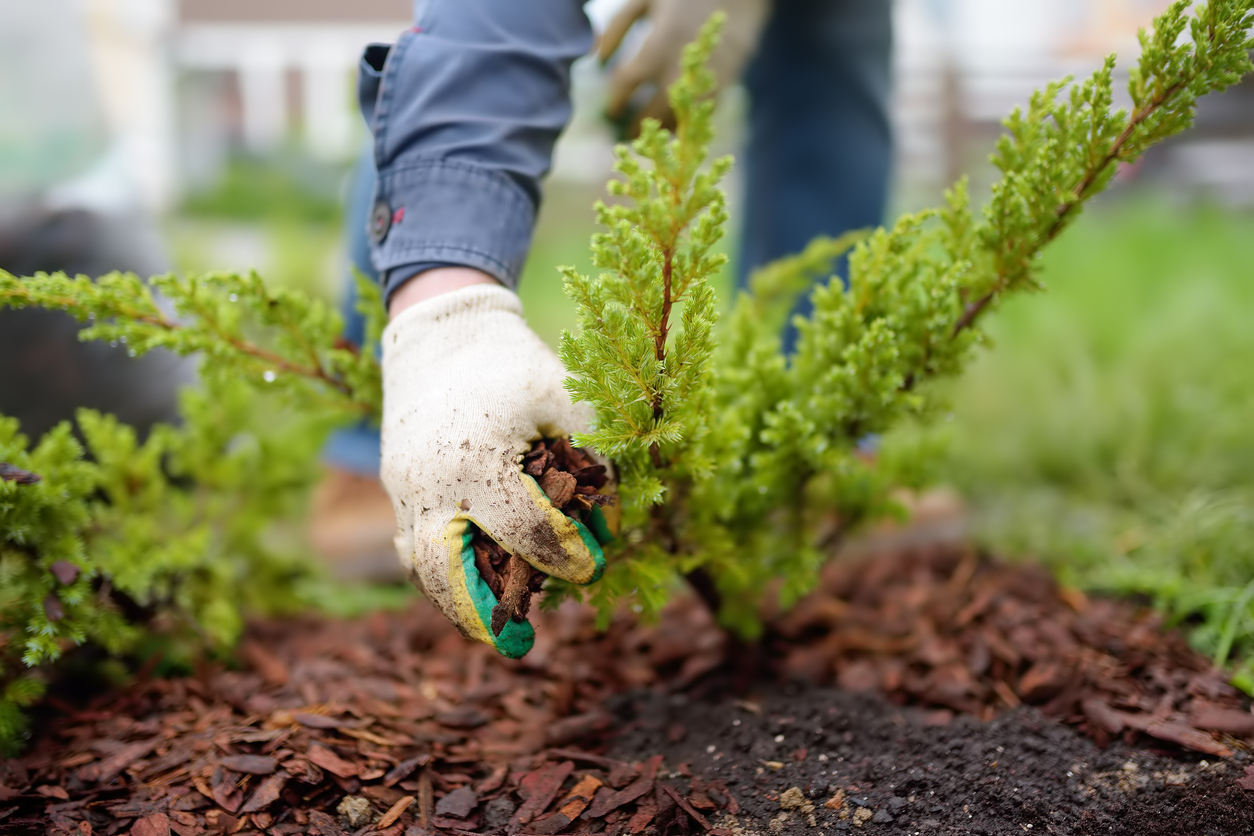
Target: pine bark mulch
[394, 724]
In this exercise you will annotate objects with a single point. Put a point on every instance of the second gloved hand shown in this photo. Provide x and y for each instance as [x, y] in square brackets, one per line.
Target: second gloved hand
[674, 24]
[467, 387]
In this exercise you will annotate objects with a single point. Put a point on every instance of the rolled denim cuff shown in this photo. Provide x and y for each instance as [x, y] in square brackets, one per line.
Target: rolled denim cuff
[450, 212]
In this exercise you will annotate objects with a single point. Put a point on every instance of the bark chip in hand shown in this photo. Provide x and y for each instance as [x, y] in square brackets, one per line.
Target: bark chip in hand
[570, 478]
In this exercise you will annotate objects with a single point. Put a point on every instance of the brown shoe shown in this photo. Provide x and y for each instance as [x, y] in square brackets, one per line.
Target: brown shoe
[351, 526]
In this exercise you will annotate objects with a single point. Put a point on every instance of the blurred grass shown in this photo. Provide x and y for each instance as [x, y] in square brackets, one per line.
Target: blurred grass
[1110, 430]
[286, 186]
[280, 215]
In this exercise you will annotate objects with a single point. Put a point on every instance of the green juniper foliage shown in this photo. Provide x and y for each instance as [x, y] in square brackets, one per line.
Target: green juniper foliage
[181, 527]
[277, 340]
[739, 466]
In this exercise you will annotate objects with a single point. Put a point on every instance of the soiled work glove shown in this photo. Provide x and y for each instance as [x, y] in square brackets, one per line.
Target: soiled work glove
[675, 24]
[467, 387]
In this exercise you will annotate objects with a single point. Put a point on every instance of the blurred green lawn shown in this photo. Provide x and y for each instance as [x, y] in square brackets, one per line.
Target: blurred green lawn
[1110, 430]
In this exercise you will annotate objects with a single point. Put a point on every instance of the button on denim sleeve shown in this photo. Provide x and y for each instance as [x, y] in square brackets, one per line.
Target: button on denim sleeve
[464, 110]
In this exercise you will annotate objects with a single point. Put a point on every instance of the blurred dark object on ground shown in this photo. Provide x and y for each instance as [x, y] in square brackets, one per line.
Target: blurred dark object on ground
[46, 373]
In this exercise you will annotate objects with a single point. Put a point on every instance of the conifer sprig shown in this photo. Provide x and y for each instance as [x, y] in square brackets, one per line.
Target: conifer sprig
[643, 379]
[1058, 154]
[279, 338]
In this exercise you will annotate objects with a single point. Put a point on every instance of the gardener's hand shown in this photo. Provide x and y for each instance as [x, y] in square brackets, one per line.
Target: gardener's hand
[675, 24]
[467, 387]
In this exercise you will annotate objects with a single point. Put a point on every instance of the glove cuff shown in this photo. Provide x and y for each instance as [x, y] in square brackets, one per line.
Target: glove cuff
[453, 308]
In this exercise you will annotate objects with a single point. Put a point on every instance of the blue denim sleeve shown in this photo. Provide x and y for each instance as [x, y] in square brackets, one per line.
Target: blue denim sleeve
[465, 109]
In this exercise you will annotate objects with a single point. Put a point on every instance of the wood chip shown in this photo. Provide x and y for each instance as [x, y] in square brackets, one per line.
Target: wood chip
[250, 764]
[65, 572]
[12, 473]
[425, 799]
[112, 766]
[154, 824]
[686, 807]
[331, 762]
[514, 599]
[637, 789]
[267, 793]
[538, 789]
[394, 812]
[559, 487]
[459, 803]
[317, 721]
[404, 769]
[271, 668]
[1102, 715]
[1227, 720]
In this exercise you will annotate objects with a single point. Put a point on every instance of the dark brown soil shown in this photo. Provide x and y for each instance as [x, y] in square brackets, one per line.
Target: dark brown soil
[1019, 773]
[393, 724]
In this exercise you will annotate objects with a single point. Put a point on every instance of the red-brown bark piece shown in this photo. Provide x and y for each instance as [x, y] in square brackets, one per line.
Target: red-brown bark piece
[65, 572]
[644, 814]
[317, 721]
[538, 789]
[558, 486]
[404, 769]
[266, 793]
[458, 803]
[115, 764]
[394, 812]
[154, 824]
[52, 608]
[515, 598]
[1103, 716]
[686, 807]
[633, 791]
[250, 764]
[1227, 720]
[575, 802]
[12, 473]
[326, 759]
[272, 670]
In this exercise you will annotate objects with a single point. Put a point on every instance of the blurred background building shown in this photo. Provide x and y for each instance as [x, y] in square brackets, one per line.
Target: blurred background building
[231, 123]
[180, 88]
[177, 87]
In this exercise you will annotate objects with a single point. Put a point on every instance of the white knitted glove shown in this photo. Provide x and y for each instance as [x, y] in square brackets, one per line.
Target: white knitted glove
[467, 387]
[675, 24]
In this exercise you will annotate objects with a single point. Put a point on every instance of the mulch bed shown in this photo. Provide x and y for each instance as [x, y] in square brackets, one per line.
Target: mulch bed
[393, 724]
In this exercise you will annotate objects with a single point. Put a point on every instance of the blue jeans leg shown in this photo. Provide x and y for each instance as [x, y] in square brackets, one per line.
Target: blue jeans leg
[356, 448]
[820, 145]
